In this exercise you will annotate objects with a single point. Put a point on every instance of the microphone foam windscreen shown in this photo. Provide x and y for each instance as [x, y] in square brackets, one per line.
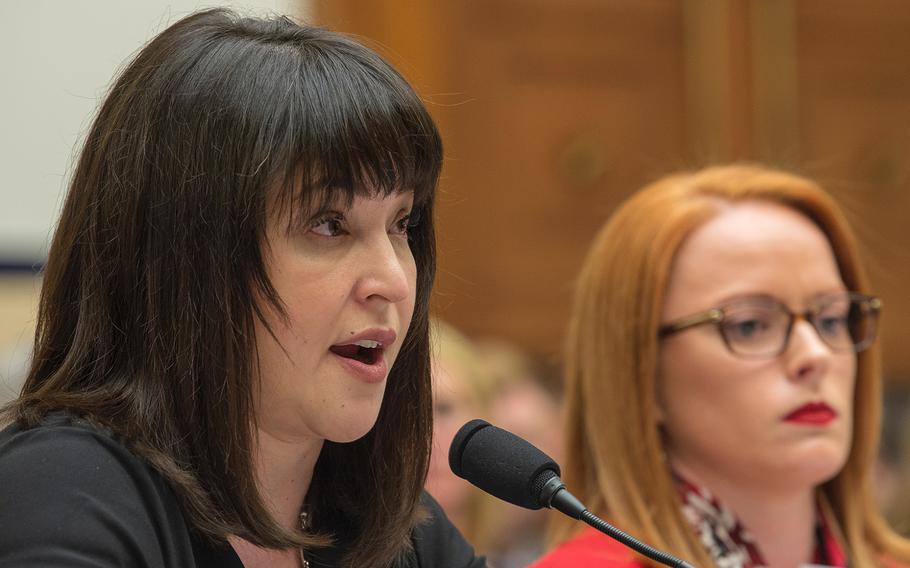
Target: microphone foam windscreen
[500, 463]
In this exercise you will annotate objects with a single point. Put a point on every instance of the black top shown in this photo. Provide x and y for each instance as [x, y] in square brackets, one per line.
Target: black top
[72, 496]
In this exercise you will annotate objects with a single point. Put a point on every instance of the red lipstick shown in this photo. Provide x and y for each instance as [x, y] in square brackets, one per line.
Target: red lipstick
[813, 414]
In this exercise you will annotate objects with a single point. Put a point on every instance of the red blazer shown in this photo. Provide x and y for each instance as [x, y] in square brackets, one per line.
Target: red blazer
[590, 548]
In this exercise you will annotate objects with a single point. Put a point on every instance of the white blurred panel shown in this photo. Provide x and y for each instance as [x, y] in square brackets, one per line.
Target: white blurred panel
[57, 58]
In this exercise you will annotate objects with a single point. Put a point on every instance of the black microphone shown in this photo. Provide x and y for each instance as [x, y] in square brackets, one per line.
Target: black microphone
[512, 469]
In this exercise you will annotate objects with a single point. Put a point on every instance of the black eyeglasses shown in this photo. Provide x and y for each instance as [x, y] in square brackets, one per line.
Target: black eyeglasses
[760, 326]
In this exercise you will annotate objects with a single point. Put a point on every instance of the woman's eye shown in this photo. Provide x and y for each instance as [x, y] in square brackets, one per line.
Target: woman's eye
[832, 325]
[748, 328]
[404, 225]
[328, 226]
[833, 320]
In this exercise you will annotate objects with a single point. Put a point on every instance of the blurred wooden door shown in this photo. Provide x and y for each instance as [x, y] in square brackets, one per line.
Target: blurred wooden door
[553, 111]
[854, 136]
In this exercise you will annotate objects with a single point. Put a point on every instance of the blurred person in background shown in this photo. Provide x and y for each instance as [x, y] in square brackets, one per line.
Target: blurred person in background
[722, 383]
[525, 399]
[892, 472]
[460, 393]
[499, 382]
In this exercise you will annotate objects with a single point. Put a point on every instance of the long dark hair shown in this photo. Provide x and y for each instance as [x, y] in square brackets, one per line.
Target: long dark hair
[149, 299]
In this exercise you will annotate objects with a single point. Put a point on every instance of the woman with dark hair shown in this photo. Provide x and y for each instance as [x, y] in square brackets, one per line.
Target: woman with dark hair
[231, 365]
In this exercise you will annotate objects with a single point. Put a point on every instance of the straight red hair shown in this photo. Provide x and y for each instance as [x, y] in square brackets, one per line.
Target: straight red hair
[615, 458]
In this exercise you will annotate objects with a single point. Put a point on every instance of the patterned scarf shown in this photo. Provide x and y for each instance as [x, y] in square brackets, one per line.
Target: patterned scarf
[729, 542]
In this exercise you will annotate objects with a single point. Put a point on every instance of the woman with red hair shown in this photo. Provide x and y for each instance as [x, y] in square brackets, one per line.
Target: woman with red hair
[723, 382]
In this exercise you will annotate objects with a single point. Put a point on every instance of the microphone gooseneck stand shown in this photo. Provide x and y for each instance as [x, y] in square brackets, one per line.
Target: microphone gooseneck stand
[553, 494]
[512, 469]
[632, 542]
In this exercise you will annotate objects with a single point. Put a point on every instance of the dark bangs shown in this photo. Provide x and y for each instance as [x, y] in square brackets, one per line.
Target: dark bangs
[342, 122]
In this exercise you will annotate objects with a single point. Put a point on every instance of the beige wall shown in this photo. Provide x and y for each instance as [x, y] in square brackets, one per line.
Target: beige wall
[56, 61]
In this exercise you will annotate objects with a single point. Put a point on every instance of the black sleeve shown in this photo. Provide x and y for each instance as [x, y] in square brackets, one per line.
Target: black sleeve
[72, 497]
[438, 544]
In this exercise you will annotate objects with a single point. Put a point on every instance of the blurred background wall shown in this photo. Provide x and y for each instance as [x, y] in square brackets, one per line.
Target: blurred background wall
[553, 111]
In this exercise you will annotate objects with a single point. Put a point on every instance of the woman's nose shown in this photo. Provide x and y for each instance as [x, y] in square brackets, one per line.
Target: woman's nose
[385, 267]
[808, 355]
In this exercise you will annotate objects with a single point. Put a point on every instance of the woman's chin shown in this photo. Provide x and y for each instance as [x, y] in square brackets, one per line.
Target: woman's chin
[815, 465]
[351, 427]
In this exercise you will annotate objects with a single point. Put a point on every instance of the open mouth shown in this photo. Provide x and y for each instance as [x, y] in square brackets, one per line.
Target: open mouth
[366, 352]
